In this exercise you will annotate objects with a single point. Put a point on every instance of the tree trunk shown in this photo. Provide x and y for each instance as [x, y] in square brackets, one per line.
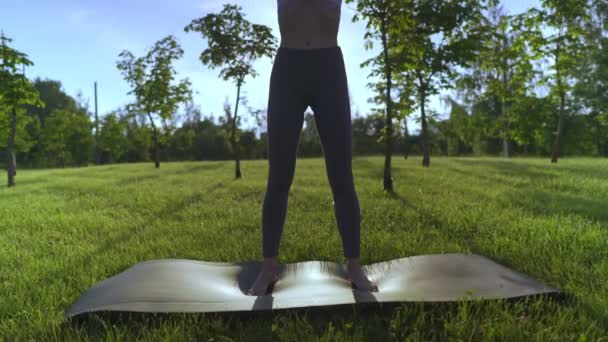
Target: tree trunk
[237, 162]
[97, 150]
[560, 124]
[505, 137]
[426, 154]
[602, 147]
[388, 181]
[560, 121]
[10, 156]
[406, 147]
[155, 138]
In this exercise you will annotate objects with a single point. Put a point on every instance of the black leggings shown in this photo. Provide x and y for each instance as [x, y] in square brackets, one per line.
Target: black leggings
[315, 78]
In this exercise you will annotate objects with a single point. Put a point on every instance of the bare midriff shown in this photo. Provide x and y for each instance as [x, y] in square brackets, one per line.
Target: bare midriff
[309, 24]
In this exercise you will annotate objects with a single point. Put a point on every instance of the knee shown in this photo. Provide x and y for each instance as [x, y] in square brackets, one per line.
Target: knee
[281, 187]
[343, 188]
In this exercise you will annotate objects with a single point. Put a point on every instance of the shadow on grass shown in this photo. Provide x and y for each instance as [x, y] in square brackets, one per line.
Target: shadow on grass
[199, 167]
[529, 197]
[509, 168]
[30, 181]
[540, 171]
[124, 236]
[548, 203]
[592, 171]
[427, 219]
[203, 166]
[126, 181]
[367, 167]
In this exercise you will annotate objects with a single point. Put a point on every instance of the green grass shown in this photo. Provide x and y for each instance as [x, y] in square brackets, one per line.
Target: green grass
[62, 231]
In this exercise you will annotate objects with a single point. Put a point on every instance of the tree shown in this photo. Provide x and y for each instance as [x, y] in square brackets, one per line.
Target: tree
[24, 141]
[565, 45]
[509, 64]
[382, 16]
[367, 131]
[15, 91]
[400, 109]
[54, 98]
[591, 89]
[139, 137]
[151, 78]
[434, 38]
[182, 139]
[67, 135]
[234, 44]
[501, 75]
[113, 143]
[404, 108]
[457, 130]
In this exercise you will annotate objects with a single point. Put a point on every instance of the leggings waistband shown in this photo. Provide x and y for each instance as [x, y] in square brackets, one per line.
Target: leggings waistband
[310, 52]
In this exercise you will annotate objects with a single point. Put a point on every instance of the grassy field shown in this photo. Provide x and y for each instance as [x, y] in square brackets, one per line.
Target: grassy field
[62, 231]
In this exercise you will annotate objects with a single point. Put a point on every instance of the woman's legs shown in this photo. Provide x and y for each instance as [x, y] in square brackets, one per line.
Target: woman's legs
[321, 75]
[298, 79]
[285, 117]
[331, 106]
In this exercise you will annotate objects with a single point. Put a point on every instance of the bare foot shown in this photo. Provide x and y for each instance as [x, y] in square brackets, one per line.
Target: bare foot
[267, 276]
[358, 278]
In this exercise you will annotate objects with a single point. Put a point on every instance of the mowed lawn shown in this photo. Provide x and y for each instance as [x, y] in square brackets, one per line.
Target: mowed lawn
[62, 231]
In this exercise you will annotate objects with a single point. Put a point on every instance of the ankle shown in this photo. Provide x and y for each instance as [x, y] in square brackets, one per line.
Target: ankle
[353, 263]
[270, 263]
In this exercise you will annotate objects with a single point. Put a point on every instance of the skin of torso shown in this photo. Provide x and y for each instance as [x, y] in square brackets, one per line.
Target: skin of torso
[309, 24]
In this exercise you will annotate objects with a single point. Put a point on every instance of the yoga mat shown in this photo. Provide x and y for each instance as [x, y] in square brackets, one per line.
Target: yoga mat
[176, 285]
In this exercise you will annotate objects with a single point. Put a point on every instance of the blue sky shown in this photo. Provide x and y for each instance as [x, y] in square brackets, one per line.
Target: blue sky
[78, 42]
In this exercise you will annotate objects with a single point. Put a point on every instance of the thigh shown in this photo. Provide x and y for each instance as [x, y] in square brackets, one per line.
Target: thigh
[333, 122]
[285, 117]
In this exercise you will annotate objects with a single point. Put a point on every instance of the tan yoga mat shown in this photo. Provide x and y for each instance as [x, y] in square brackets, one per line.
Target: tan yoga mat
[175, 285]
